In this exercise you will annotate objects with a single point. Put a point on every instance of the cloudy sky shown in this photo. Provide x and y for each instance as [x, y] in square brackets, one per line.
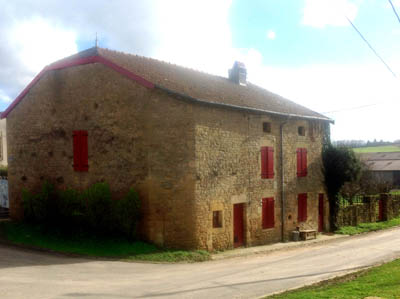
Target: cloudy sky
[305, 50]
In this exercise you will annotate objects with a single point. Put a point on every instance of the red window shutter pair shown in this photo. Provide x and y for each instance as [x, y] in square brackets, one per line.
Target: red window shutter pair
[301, 162]
[80, 150]
[268, 212]
[302, 207]
[267, 162]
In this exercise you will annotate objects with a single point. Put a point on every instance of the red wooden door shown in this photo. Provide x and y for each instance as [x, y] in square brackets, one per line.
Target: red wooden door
[321, 213]
[238, 225]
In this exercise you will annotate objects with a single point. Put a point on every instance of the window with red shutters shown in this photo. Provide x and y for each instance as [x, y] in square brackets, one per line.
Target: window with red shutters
[301, 162]
[302, 207]
[267, 162]
[80, 147]
[268, 212]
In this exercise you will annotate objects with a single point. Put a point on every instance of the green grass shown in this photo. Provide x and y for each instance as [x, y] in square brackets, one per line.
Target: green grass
[382, 282]
[21, 233]
[377, 149]
[367, 227]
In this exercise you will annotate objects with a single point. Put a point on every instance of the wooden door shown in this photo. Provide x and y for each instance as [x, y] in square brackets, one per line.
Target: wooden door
[238, 239]
[321, 212]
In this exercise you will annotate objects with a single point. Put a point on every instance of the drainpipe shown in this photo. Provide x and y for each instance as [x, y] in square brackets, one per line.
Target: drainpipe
[283, 215]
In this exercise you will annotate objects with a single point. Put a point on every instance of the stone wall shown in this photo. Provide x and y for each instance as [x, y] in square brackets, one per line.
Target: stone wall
[228, 171]
[186, 160]
[133, 142]
[368, 211]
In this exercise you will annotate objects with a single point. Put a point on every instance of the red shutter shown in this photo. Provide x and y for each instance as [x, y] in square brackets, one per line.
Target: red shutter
[76, 146]
[301, 162]
[268, 212]
[264, 212]
[270, 166]
[302, 207]
[264, 158]
[80, 148]
[84, 151]
[304, 161]
[271, 213]
[298, 152]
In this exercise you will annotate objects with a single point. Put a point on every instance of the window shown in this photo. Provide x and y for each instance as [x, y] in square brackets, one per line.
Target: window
[302, 131]
[217, 219]
[302, 207]
[267, 127]
[268, 212]
[80, 144]
[301, 162]
[267, 162]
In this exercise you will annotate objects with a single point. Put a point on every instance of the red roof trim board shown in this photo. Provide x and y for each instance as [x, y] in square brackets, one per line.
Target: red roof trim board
[76, 62]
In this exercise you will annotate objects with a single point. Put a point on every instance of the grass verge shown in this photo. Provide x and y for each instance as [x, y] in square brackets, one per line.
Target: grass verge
[35, 236]
[382, 282]
[377, 149]
[367, 227]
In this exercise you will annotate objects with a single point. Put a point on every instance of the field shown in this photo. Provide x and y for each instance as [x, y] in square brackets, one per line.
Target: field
[377, 149]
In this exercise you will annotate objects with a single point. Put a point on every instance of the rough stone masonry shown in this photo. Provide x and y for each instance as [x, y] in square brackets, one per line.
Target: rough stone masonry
[190, 160]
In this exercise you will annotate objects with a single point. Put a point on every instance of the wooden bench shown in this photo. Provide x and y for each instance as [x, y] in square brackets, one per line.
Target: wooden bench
[308, 234]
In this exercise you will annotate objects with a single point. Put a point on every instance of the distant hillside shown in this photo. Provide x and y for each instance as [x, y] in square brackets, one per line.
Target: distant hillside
[378, 149]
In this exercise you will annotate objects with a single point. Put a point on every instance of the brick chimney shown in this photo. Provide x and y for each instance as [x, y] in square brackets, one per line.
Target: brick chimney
[238, 73]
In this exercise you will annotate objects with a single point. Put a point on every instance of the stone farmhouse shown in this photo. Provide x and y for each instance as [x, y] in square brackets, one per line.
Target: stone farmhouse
[218, 162]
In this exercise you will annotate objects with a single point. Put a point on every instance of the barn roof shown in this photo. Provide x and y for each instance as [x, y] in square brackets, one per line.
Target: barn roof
[389, 161]
[184, 82]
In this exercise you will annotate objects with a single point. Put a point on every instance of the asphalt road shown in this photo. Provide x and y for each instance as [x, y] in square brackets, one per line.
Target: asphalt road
[28, 274]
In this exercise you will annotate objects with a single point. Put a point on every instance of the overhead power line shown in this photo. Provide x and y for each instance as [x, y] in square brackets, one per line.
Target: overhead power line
[394, 10]
[373, 50]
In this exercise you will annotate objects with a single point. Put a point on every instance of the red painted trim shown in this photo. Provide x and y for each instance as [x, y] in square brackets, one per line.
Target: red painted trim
[75, 62]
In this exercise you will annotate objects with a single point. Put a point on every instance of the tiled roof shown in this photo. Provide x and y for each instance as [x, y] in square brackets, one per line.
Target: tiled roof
[187, 84]
[199, 85]
[389, 161]
[210, 88]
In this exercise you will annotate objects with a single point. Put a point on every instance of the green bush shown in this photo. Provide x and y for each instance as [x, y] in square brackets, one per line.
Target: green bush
[38, 208]
[3, 171]
[127, 213]
[72, 210]
[100, 209]
[92, 211]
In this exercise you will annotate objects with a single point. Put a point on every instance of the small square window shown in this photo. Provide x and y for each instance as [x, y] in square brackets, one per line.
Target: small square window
[302, 131]
[217, 219]
[267, 127]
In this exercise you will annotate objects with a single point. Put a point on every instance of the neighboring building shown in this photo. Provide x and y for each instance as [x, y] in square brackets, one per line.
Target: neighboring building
[204, 152]
[385, 167]
[3, 143]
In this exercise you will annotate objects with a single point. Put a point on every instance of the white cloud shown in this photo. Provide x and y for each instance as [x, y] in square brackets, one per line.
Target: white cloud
[40, 43]
[322, 13]
[195, 34]
[271, 34]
